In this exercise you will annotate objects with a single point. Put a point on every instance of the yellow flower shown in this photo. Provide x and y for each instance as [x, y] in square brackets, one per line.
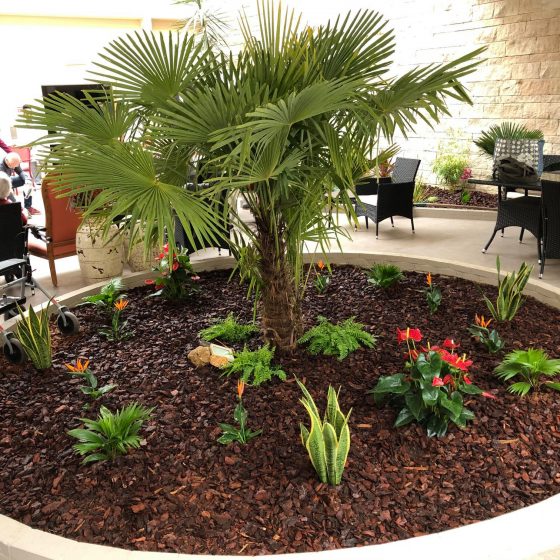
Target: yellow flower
[121, 304]
[240, 387]
[429, 279]
[80, 366]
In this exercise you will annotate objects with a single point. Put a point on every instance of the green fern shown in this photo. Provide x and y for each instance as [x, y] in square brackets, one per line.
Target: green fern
[508, 130]
[228, 330]
[384, 275]
[337, 340]
[255, 367]
[531, 366]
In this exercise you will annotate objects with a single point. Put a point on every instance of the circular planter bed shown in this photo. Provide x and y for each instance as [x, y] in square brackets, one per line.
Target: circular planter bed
[183, 491]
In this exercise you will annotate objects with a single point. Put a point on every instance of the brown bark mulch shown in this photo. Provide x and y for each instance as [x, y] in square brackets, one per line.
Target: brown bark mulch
[183, 491]
[447, 197]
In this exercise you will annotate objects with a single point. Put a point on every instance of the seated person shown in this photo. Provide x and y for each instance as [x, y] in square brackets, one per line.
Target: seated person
[11, 165]
[6, 191]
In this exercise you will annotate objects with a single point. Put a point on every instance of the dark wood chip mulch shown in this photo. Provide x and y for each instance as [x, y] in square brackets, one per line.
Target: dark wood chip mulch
[447, 197]
[183, 491]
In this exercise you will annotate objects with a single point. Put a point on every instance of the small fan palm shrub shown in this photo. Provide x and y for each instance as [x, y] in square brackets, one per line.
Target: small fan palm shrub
[533, 367]
[507, 130]
[112, 434]
[228, 330]
[337, 340]
[384, 275]
[33, 331]
[327, 440]
[255, 367]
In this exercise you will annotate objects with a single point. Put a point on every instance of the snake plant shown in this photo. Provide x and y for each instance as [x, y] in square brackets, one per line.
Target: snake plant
[35, 336]
[328, 440]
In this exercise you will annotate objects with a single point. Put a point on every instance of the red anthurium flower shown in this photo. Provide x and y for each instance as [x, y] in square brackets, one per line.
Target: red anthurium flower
[437, 382]
[458, 362]
[159, 286]
[467, 380]
[409, 333]
[166, 248]
[149, 281]
[489, 395]
[448, 379]
[161, 256]
[175, 266]
[450, 343]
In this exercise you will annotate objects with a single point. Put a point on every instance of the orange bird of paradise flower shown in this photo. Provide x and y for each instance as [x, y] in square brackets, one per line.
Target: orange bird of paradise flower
[240, 388]
[481, 322]
[429, 279]
[80, 366]
[121, 304]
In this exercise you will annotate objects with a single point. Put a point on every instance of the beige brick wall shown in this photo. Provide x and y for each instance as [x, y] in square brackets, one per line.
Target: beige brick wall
[518, 79]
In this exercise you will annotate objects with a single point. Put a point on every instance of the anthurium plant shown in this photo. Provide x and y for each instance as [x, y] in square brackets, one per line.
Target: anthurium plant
[176, 277]
[432, 391]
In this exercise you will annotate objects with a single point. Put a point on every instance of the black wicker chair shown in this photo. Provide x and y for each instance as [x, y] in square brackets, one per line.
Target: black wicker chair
[393, 198]
[551, 163]
[550, 206]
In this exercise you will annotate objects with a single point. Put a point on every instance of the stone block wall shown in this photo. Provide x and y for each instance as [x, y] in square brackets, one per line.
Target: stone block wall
[518, 79]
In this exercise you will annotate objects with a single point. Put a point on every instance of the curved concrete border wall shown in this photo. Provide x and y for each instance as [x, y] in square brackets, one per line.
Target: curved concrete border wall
[530, 533]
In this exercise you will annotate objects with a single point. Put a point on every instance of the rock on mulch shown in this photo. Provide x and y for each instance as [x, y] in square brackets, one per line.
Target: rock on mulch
[182, 491]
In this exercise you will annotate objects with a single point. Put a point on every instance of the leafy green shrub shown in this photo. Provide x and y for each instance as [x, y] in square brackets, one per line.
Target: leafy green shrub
[112, 434]
[490, 338]
[532, 366]
[449, 168]
[507, 130]
[341, 339]
[92, 388]
[384, 275]
[510, 293]
[107, 297]
[420, 191]
[228, 330]
[34, 333]
[255, 367]
[432, 391]
[327, 441]
[240, 415]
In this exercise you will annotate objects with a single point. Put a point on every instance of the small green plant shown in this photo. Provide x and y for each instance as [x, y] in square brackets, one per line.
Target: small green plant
[466, 196]
[176, 277]
[507, 130]
[432, 391]
[92, 388]
[490, 338]
[384, 275]
[118, 330]
[533, 366]
[34, 333]
[255, 367]
[336, 340]
[240, 415]
[510, 293]
[322, 278]
[327, 441]
[228, 330]
[106, 298]
[449, 168]
[112, 434]
[433, 294]
[420, 191]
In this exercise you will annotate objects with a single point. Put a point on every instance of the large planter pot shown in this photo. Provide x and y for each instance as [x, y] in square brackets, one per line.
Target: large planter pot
[136, 258]
[100, 258]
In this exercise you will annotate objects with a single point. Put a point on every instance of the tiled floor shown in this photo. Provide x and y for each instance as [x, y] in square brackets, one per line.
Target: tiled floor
[458, 240]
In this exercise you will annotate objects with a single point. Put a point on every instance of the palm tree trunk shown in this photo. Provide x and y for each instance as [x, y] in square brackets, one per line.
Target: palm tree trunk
[281, 312]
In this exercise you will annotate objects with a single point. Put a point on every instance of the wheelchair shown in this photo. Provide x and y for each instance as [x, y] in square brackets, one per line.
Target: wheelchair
[16, 268]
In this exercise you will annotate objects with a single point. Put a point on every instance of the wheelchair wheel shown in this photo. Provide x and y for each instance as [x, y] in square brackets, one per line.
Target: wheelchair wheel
[72, 325]
[13, 313]
[15, 355]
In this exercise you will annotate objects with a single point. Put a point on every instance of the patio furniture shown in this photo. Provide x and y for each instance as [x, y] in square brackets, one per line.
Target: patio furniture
[393, 198]
[551, 163]
[58, 238]
[551, 222]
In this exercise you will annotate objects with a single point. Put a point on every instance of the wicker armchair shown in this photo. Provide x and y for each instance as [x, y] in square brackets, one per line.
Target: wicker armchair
[551, 163]
[550, 206]
[392, 199]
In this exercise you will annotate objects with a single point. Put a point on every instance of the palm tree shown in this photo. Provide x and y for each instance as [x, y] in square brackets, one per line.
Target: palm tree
[290, 119]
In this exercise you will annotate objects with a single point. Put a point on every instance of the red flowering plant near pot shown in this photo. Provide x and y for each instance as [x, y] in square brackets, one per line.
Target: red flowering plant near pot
[433, 390]
[176, 277]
